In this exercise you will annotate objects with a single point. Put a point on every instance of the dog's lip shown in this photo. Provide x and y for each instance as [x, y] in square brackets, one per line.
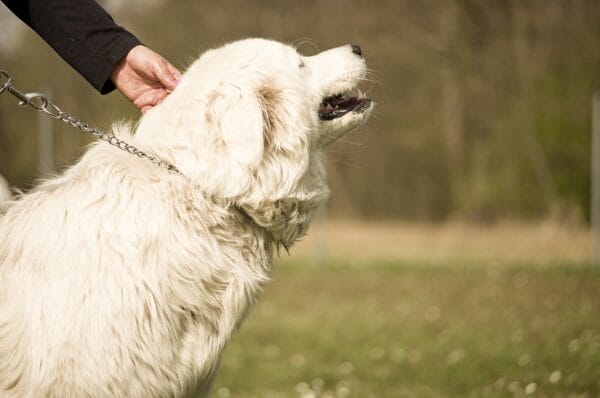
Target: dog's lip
[335, 106]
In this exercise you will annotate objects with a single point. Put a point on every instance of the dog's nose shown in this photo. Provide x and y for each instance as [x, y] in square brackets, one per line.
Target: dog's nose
[356, 49]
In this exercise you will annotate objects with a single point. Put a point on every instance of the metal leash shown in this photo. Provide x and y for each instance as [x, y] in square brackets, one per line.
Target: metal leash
[41, 103]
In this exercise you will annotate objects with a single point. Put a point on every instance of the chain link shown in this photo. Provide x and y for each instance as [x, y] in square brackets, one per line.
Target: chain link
[7, 81]
[41, 103]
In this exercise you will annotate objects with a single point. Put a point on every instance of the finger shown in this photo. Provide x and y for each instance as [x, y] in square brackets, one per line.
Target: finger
[149, 99]
[174, 71]
[165, 76]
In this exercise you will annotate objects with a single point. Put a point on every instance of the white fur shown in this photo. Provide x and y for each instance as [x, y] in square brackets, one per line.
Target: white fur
[119, 279]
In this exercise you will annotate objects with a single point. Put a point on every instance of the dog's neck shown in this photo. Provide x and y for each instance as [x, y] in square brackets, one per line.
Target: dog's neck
[278, 242]
[283, 221]
[281, 212]
[278, 224]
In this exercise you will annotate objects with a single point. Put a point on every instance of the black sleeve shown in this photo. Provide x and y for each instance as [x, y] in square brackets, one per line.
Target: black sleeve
[81, 32]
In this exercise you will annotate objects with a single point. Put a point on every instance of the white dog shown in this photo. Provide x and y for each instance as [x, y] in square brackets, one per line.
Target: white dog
[121, 279]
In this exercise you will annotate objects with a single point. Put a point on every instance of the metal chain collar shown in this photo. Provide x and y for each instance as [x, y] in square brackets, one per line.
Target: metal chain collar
[41, 103]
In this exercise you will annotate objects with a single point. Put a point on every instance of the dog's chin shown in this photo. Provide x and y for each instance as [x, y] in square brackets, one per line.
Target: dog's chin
[336, 127]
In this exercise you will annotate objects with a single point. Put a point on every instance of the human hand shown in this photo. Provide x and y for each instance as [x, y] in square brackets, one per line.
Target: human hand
[144, 77]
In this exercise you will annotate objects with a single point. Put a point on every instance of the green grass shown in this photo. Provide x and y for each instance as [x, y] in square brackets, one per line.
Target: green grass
[409, 331]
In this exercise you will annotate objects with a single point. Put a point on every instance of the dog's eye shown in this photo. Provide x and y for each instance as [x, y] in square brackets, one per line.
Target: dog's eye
[301, 64]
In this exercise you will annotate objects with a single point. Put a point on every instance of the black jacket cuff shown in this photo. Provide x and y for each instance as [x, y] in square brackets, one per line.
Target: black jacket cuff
[100, 79]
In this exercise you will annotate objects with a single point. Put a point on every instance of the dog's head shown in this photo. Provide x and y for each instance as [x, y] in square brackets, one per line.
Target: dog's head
[249, 121]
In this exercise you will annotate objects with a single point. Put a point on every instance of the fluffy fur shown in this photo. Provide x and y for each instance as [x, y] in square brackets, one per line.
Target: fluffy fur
[120, 279]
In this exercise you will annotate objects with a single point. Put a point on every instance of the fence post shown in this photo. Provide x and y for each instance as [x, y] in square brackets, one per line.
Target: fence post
[320, 247]
[45, 140]
[595, 180]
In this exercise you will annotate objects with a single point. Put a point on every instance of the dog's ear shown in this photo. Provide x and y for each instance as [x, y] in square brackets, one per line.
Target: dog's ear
[238, 115]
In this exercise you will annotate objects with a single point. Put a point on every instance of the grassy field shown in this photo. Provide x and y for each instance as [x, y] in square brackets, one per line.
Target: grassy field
[393, 330]
[388, 311]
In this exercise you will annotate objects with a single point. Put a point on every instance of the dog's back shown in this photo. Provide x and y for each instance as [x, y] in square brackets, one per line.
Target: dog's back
[95, 297]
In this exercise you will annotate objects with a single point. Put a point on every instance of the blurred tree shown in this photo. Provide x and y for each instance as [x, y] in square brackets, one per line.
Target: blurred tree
[482, 106]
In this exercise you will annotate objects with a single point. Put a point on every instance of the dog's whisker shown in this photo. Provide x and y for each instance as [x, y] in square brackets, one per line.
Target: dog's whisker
[347, 141]
[345, 163]
[299, 43]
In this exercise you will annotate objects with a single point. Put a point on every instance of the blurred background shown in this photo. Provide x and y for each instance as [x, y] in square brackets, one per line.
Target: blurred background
[453, 258]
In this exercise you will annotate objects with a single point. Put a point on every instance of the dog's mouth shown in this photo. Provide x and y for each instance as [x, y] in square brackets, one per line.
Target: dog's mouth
[336, 106]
